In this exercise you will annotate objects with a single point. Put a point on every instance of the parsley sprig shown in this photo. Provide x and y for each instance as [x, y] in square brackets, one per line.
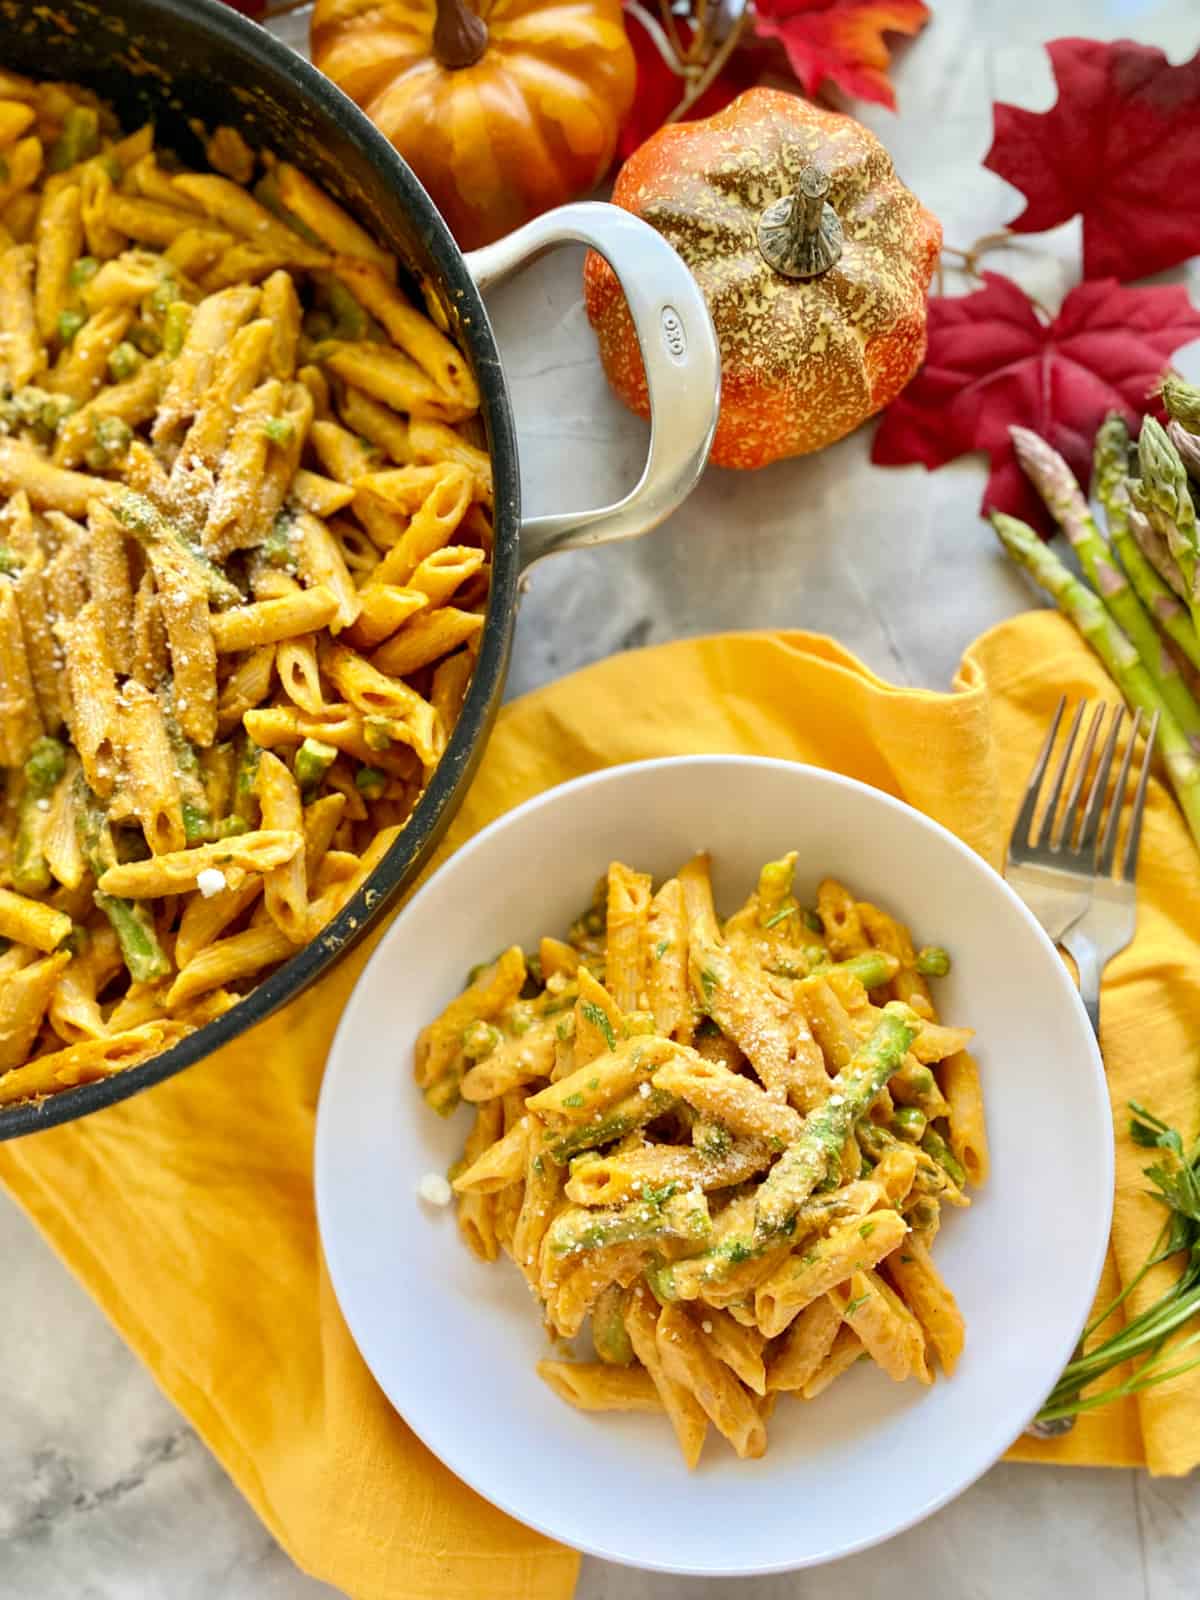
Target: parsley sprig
[1148, 1337]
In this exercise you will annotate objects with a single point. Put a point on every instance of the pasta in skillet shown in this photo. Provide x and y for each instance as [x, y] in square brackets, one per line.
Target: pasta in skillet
[245, 534]
[727, 1145]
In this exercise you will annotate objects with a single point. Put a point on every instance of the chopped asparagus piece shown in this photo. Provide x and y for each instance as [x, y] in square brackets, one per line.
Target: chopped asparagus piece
[370, 782]
[78, 141]
[312, 761]
[132, 923]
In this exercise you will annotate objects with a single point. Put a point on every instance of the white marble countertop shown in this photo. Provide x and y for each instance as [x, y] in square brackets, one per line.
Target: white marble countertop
[105, 1492]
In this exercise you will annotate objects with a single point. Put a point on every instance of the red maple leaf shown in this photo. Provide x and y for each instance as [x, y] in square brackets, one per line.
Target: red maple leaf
[840, 40]
[992, 361]
[1121, 146]
[660, 89]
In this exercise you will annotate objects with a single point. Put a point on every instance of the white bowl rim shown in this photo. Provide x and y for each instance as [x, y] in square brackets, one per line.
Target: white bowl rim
[479, 843]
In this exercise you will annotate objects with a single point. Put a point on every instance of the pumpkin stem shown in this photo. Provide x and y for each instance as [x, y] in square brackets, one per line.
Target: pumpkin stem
[459, 36]
[800, 235]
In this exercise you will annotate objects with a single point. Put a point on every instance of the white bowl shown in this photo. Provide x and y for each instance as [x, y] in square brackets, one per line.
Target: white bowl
[453, 1341]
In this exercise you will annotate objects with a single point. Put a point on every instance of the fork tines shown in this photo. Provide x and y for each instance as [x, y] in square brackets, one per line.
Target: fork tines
[1084, 828]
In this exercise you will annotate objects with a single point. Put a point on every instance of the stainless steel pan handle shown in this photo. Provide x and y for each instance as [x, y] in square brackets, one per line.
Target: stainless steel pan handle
[679, 349]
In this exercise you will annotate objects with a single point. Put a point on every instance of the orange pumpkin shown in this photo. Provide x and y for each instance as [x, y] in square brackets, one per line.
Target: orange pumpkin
[501, 113]
[813, 257]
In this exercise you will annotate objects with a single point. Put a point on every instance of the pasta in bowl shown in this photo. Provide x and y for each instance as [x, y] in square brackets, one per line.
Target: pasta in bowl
[245, 547]
[726, 1146]
[456, 1342]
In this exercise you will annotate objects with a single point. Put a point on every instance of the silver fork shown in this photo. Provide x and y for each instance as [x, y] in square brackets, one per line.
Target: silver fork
[1069, 874]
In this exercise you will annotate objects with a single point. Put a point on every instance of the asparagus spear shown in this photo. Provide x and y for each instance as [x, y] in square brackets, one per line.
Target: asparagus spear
[132, 921]
[802, 1167]
[872, 968]
[1076, 601]
[1167, 501]
[1055, 482]
[148, 526]
[1188, 446]
[1182, 402]
[934, 1145]
[1151, 543]
[1110, 472]
[680, 1216]
[197, 819]
[634, 1111]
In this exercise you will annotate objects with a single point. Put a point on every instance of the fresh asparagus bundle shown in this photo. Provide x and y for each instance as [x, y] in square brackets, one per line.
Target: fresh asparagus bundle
[1087, 611]
[1110, 472]
[1055, 482]
[1163, 496]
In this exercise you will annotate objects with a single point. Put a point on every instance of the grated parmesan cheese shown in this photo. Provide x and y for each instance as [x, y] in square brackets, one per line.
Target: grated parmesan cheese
[210, 882]
[434, 1190]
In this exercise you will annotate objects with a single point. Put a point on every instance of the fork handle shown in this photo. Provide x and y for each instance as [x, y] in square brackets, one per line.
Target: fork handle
[1083, 950]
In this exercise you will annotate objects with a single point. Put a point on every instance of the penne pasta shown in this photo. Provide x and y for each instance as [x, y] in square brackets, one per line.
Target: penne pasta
[59, 243]
[89, 1060]
[190, 587]
[21, 352]
[48, 487]
[108, 579]
[149, 771]
[688, 1417]
[625, 1169]
[230, 858]
[593, 1386]
[410, 330]
[393, 378]
[427, 637]
[25, 996]
[249, 627]
[32, 922]
[92, 691]
[285, 886]
[331, 224]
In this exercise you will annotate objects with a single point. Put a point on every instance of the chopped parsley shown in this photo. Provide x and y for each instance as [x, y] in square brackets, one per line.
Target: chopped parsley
[779, 916]
[808, 1259]
[867, 1229]
[538, 1165]
[573, 1100]
[600, 1020]
[661, 948]
[856, 1305]
[708, 982]
[739, 1252]
[593, 1083]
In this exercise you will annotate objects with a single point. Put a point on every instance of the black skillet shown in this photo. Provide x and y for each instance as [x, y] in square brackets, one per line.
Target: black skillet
[180, 60]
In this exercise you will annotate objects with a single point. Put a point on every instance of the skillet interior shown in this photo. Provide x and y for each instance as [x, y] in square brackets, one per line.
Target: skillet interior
[176, 60]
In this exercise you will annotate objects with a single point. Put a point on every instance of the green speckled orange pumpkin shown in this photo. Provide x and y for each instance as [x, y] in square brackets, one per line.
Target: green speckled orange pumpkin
[814, 258]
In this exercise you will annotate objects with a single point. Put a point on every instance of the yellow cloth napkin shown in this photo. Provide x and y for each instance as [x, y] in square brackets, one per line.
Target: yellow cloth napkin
[188, 1211]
